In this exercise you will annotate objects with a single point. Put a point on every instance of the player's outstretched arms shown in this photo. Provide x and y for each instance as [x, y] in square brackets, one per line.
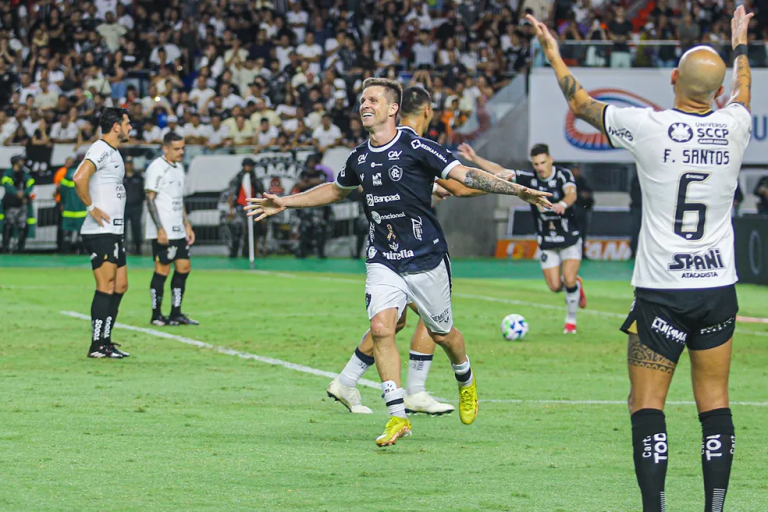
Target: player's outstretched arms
[741, 84]
[322, 195]
[581, 104]
[457, 189]
[481, 180]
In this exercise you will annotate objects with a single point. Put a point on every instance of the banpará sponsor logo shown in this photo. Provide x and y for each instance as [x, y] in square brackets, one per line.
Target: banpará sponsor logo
[416, 144]
[400, 255]
[668, 331]
[371, 199]
[377, 217]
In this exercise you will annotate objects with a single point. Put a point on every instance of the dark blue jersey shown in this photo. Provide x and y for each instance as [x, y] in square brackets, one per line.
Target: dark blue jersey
[397, 181]
[554, 231]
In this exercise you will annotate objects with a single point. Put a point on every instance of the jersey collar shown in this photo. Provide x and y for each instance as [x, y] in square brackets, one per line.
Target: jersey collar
[172, 164]
[409, 128]
[697, 114]
[386, 146]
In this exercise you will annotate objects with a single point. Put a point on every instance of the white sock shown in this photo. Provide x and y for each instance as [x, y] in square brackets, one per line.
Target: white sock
[418, 369]
[572, 305]
[394, 398]
[357, 365]
[461, 371]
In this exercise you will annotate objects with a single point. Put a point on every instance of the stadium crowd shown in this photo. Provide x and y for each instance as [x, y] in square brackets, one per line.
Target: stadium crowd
[287, 73]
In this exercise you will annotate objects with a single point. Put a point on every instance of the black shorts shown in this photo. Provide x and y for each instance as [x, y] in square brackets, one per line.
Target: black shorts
[669, 320]
[175, 250]
[110, 248]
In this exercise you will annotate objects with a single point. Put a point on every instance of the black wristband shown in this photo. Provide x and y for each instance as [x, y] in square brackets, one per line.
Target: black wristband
[741, 49]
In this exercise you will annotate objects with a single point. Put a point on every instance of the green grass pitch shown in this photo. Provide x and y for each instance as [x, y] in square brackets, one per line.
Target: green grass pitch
[177, 427]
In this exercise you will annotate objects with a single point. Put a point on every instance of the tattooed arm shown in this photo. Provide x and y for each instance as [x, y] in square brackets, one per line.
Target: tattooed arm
[162, 236]
[485, 182]
[581, 104]
[742, 75]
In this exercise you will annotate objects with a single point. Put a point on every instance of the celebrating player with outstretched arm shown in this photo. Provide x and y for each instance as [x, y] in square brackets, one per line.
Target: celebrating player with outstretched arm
[416, 114]
[99, 185]
[408, 255]
[688, 160]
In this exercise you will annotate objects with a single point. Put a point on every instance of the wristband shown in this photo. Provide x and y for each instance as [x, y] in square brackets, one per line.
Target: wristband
[741, 49]
[563, 204]
[90, 208]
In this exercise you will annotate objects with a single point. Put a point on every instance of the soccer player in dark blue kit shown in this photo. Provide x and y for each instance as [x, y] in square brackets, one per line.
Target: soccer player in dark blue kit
[408, 254]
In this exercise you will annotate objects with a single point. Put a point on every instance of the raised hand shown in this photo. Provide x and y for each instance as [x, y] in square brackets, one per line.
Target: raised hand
[467, 152]
[546, 39]
[263, 207]
[740, 26]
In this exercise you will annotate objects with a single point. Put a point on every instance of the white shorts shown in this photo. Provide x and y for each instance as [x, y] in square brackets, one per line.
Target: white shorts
[551, 258]
[429, 291]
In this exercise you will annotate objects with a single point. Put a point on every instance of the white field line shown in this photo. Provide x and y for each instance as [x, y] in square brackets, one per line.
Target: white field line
[364, 382]
[495, 299]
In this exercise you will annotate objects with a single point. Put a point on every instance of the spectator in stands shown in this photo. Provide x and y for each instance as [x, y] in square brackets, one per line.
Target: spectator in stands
[18, 138]
[64, 131]
[327, 134]
[173, 126]
[620, 30]
[302, 137]
[241, 131]
[689, 32]
[218, 135]
[266, 136]
[195, 132]
[761, 191]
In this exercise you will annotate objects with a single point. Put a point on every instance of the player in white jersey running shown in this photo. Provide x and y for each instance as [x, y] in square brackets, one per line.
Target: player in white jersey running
[169, 229]
[99, 184]
[688, 160]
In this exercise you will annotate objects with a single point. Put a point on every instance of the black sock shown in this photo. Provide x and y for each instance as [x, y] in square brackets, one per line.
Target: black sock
[178, 282]
[571, 290]
[99, 315]
[717, 447]
[156, 291]
[364, 358]
[114, 306]
[651, 454]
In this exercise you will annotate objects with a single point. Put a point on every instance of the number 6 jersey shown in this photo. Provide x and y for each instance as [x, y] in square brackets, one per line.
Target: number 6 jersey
[688, 167]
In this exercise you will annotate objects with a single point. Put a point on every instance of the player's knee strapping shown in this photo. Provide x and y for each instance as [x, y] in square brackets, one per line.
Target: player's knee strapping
[717, 449]
[651, 455]
[178, 284]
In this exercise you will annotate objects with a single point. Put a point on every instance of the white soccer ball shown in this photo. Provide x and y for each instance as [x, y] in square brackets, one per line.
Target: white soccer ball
[514, 327]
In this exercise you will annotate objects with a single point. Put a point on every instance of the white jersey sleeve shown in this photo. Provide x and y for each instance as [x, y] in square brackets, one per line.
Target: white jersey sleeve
[166, 180]
[106, 189]
[622, 125]
[688, 167]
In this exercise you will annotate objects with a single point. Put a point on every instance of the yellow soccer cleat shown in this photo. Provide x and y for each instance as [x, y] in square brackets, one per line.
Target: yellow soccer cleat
[395, 429]
[468, 403]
